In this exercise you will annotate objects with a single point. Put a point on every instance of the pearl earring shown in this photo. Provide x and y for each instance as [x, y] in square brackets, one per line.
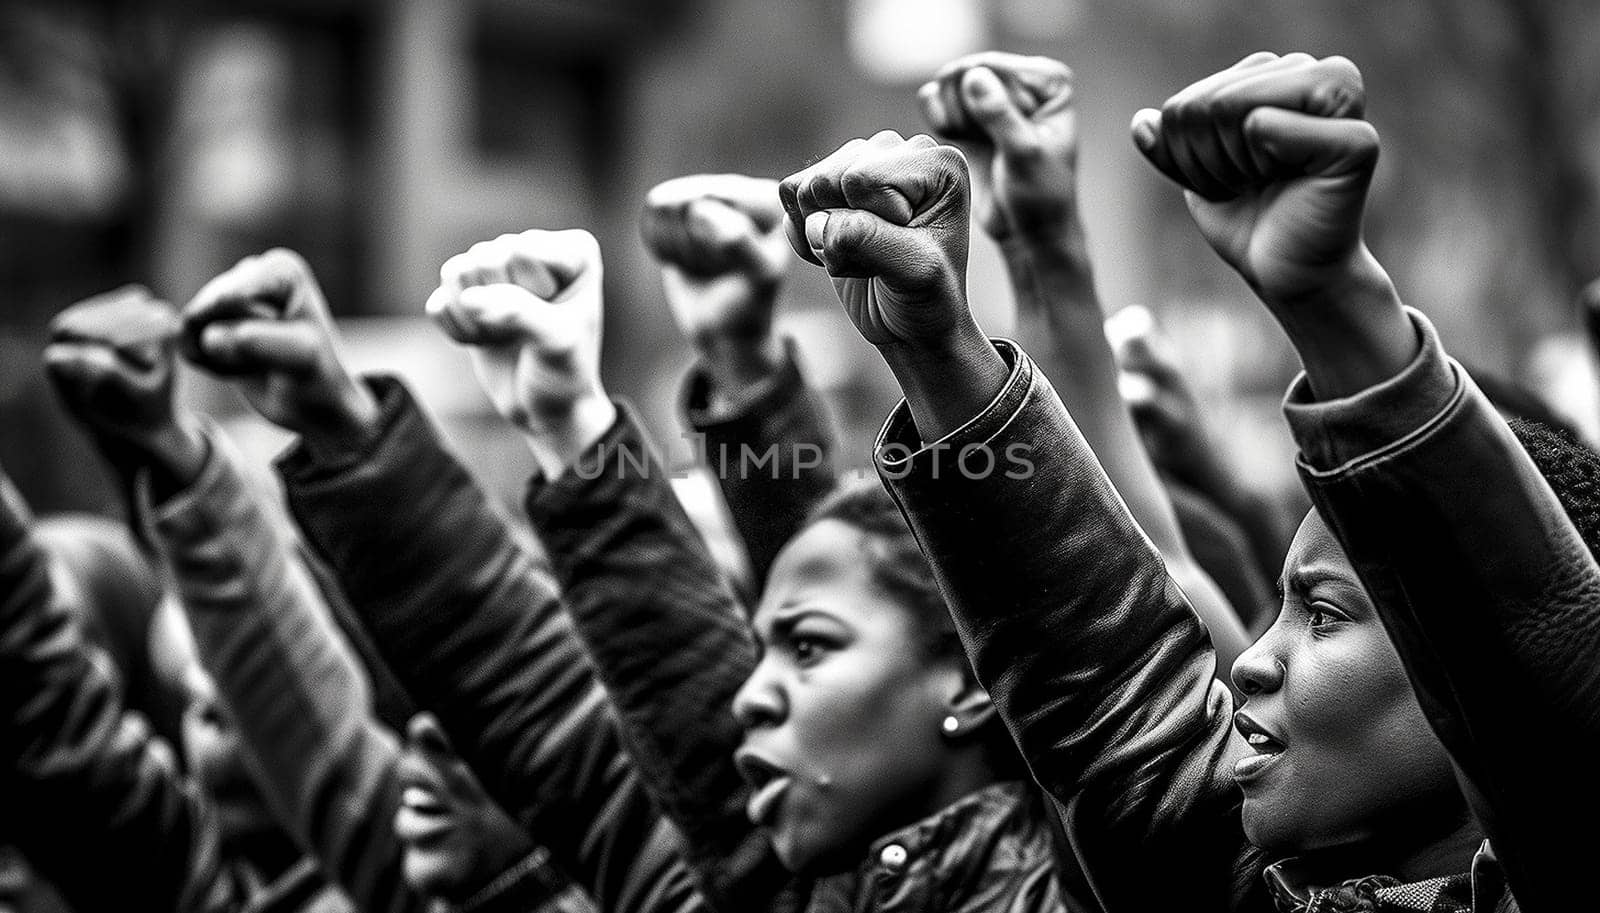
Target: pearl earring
[950, 725]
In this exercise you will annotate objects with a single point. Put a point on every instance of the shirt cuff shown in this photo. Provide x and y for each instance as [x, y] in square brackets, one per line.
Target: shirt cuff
[900, 451]
[1335, 434]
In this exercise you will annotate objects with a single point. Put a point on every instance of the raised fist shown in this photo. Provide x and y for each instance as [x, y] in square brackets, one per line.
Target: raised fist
[1275, 162]
[265, 325]
[529, 308]
[112, 361]
[887, 218]
[1013, 118]
[720, 241]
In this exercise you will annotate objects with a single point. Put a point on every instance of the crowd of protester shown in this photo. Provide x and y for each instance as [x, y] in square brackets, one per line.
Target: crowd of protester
[1057, 656]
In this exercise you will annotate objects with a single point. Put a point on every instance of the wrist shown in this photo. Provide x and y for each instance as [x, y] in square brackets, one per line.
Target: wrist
[1057, 262]
[732, 363]
[1350, 330]
[947, 380]
[347, 423]
[559, 440]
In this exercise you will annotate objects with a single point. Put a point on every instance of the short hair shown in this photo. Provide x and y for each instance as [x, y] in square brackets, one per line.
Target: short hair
[1572, 470]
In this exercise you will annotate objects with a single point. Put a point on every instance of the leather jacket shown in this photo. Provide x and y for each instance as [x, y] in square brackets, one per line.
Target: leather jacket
[472, 625]
[1488, 592]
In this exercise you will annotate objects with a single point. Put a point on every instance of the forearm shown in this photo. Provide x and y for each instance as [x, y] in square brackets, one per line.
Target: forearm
[667, 637]
[474, 630]
[1095, 660]
[948, 381]
[1061, 316]
[288, 679]
[88, 789]
[771, 446]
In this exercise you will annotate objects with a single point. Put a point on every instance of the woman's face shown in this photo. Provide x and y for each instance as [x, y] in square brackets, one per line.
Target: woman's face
[1342, 754]
[842, 715]
[455, 838]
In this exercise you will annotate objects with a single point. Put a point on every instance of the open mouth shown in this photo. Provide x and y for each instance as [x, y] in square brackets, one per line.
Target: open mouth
[768, 782]
[1266, 747]
[422, 818]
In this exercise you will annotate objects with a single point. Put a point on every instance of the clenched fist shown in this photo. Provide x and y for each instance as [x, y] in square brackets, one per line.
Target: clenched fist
[265, 325]
[529, 308]
[1275, 162]
[723, 254]
[887, 218]
[112, 361]
[1014, 119]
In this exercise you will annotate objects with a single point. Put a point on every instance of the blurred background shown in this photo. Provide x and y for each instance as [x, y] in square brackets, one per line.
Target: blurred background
[158, 142]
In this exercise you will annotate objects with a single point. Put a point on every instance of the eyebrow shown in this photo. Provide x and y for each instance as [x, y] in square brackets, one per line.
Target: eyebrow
[786, 617]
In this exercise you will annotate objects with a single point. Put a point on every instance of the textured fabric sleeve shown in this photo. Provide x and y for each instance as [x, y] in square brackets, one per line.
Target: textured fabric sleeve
[1489, 593]
[474, 628]
[1096, 662]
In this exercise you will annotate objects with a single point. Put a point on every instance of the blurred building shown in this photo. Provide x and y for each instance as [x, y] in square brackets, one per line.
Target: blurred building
[160, 141]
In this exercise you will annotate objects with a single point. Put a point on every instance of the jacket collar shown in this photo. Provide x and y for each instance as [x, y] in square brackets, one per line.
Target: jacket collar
[1482, 890]
[997, 834]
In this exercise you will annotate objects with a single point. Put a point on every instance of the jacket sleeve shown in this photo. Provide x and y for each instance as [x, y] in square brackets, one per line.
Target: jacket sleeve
[288, 680]
[1094, 659]
[772, 452]
[1490, 595]
[474, 629]
[670, 642]
[93, 800]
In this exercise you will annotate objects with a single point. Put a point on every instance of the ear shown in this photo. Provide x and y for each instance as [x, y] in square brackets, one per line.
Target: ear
[968, 704]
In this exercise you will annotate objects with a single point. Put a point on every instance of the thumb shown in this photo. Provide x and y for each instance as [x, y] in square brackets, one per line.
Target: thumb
[494, 315]
[1148, 139]
[259, 346]
[853, 243]
[722, 227]
[988, 103]
[1297, 144]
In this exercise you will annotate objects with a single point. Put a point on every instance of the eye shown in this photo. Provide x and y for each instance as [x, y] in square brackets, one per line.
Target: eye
[1322, 615]
[807, 649]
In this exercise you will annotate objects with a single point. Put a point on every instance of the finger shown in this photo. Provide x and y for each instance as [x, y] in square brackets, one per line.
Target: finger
[526, 271]
[934, 110]
[1149, 140]
[571, 257]
[1295, 144]
[441, 310]
[80, 365]
[902, 184]
[857, 244]
[260, 346]
[497, 315]
[731, 240]
[263, 281]
[129, 319]
[819, 187]
[1030, 79]
[995, 114]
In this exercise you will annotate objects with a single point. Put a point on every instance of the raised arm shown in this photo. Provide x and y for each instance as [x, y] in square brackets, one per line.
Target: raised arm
[664, 630]
[95, 802]
[766, 434]
[1098, 665]
[283, 673]
[1014, 118]
[459, 608]
[1486, 588]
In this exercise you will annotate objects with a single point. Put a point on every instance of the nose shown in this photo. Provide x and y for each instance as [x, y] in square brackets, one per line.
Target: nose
[760, 701]
[1259, 669]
